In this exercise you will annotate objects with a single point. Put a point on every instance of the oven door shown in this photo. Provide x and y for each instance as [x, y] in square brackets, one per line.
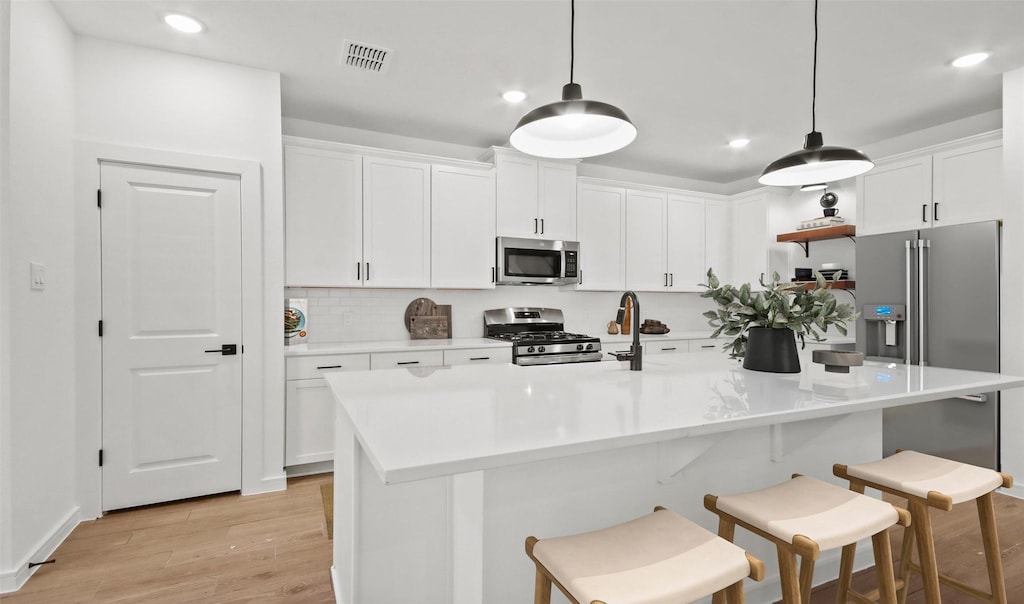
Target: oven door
[536, 261]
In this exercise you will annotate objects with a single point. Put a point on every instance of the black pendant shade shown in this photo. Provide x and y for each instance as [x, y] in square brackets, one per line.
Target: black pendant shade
[815, 163]
[573, 127]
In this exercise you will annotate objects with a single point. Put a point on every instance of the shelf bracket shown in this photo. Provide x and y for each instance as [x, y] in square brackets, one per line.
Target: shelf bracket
[806, 245]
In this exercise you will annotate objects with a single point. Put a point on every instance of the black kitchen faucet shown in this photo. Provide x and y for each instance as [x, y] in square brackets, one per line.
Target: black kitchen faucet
[636, 352]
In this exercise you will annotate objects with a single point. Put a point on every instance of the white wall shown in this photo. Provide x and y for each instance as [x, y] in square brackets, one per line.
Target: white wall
[38, 395]
[137, 97]
[1011, 328]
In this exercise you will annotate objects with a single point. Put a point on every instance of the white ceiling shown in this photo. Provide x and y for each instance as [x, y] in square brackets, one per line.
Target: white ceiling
[691, 74]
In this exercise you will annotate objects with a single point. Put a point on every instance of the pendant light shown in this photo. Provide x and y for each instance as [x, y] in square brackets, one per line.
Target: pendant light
[815, 163]
[573, 127]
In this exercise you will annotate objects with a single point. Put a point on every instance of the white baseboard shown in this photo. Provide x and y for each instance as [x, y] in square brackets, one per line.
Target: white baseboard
[334, 585]
[1017, 490]
[13, 580]
[308, 469]
[268, 485]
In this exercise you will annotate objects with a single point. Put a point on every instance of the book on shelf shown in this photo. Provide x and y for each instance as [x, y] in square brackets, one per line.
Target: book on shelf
[820, 222]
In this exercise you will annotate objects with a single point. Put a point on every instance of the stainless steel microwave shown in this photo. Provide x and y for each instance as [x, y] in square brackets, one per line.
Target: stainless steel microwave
[523, 261]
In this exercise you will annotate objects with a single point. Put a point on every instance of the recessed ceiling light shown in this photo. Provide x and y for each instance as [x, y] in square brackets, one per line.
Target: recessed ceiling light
[184, 24]
[970, 60]
[514, 96]
[739, 143]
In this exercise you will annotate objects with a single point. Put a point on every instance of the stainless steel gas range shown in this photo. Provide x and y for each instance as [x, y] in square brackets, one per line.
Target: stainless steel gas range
[538, 336]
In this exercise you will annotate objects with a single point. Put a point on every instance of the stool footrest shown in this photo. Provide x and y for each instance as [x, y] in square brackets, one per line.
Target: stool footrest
[957, 585]
[872, 596]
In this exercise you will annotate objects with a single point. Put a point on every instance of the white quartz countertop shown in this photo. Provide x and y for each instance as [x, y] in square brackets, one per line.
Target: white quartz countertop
[391, 346]
[428, 422]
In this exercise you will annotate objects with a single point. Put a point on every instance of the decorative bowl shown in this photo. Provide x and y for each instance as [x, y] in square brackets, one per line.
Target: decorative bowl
[838, 361]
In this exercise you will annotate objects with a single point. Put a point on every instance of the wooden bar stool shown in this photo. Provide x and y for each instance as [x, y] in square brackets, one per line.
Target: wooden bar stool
[926, 482]
[659, 558]
[804, 517]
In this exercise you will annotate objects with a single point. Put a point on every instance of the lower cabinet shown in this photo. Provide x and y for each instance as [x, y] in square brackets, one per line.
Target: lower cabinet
[706, 345]
[309, 404]
[665, 346]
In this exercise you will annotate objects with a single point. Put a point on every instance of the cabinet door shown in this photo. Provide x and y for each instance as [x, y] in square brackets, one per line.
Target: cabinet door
[717, 240]
[602, 231]
[557, 195]
[968, 184]
[517, 196]
[409, 360]
[750, 241]
[659, 346]
[478, 356]
[645, 241]
[323, 217]
[396, 223]
[895, 197]
[462, 228]
[684, 243]
[706, 345]
[309, 422]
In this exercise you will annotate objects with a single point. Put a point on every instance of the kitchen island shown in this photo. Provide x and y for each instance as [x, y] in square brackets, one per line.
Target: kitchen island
[440, 474]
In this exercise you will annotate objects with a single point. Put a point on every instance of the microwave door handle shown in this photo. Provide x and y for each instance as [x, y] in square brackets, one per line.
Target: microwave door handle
[923, 259]
[911, 312]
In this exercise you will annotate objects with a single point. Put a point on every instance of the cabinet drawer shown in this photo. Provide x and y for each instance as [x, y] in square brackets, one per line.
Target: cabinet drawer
[419, 358]
[301, 368]
[706, 345]
[477, 356]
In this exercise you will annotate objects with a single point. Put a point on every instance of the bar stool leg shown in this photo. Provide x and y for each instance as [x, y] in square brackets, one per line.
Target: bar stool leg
[922, 525]
[845, 573]
[788, 576]
[806, 579]
[906, 557]
[542, 589]
[727, 531]
[990, 540]
[883, 566]
[734, 593]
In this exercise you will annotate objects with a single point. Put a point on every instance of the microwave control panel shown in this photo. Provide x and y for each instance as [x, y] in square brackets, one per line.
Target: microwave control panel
[571, 263]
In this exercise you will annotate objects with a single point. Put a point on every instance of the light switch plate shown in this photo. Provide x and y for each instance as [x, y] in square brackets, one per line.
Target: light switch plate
[37, 274]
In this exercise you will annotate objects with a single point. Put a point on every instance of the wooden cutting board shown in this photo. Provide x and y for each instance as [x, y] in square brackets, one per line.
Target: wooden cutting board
[420, 307]
[428, 328]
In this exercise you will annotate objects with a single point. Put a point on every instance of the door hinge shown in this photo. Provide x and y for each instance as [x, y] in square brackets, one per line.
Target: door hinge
[101, 458]
[101, 327]
[99, 198]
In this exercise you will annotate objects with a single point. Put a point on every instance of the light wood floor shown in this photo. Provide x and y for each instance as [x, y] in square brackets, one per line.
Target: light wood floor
[274, 548]
[223, 548]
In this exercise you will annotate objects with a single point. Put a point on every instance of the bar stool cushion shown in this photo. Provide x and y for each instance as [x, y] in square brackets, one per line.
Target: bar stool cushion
[660, 558]
[830, 516]
[917, 474]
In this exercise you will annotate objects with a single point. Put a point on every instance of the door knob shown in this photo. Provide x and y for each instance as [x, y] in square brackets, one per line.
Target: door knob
[226, 349]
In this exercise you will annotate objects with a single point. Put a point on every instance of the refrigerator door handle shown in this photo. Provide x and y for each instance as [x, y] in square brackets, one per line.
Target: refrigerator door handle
[975, 398]
[922, 297]
[909, 325]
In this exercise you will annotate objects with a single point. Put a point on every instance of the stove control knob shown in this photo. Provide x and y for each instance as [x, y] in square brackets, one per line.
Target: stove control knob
[590, 346]
[530, 349]
[579, 347]
[540, 349]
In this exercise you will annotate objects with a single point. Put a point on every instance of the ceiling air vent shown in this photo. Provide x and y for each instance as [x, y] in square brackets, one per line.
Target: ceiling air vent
[367, 57]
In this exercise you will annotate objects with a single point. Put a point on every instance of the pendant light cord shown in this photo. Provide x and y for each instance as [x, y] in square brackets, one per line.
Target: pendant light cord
[572, 38]
[814, 71]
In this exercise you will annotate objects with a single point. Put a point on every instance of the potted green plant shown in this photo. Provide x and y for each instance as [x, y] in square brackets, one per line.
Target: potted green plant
[764, 324]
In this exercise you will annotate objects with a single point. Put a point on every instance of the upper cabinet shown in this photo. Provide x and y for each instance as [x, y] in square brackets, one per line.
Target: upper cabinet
[685, 242]
[717, 240]
[536, 198]
[756, 217]
[646, 268]
[602, 234]
[954, 184]
[462, 227]
[396, 223]
[323, 217]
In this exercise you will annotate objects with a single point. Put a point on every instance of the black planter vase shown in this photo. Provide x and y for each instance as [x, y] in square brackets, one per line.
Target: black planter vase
[770, 349]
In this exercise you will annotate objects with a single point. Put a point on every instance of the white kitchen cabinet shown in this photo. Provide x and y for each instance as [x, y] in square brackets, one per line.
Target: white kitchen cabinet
[477, 356]
[601, 225]
[535, 198]
[323, 217]
[409, 359]
[462, 215]
[717, 240]
[685, 244]
[309, 406]
[660, 346]
[953, 184]
[396, 223]
[756, 217]
[706, 345]
[645, 240]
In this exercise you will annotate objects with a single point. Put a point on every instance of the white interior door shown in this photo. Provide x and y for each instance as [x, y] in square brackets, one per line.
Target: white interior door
[171, 278]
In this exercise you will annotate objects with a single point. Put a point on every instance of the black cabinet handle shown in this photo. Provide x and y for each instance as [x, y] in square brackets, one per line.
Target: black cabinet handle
[671, 279]
[225, 349]
[534, 226]
[541, 226]
[492, 275]
[330, 367]
[479, 358]
[935, 212]
[407, 363]
[359, 271]
[707, 345]
[924, 211]
[367, 271]
[670, 348]
[666, 279]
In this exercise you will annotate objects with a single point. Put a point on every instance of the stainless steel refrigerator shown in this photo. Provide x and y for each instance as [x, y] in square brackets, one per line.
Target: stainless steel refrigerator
[931, 297]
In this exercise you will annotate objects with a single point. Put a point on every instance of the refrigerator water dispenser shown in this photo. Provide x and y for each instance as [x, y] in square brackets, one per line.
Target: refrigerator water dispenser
[886, 330]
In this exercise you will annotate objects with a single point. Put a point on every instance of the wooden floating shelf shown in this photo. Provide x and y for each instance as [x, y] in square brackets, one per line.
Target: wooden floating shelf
[841, 284]
[805, 237]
